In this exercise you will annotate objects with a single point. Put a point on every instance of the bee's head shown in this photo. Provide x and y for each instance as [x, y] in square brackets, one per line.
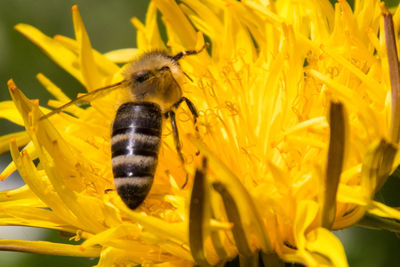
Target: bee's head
[155, 76]
[152, 65]
[157, 64]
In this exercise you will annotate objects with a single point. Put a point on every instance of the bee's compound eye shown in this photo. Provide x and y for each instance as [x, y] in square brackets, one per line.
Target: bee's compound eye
[164, 68]
[141, 76]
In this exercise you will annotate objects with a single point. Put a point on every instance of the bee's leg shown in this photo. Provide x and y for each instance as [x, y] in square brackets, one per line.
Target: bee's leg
[194, 112]
[171, 115]
[192, 109]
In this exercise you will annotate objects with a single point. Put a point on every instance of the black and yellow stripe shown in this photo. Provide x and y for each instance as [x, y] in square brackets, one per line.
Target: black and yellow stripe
[135, 142]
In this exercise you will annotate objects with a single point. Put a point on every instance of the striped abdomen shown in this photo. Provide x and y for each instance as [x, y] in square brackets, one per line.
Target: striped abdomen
[135, 142]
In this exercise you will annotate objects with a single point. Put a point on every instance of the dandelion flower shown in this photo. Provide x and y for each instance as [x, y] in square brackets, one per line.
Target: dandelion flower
[298, 129]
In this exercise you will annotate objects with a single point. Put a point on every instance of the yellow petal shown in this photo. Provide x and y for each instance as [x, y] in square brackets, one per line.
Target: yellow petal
[51, 248]
[121, 231]
[40, 185]
[14, 194]
[206, 21]
[324, 243]
[150, 256]
[377, 165]
[305, 215]
[21, 138]
[106, 67]
[179, 29]
[247, 209]
[88, 68]
[29, 149]
[31, 213]
[374, 222]
[172, 231]
[122, 55]
[148, 36]
[52, 88]
[384, 211]
[8, 112]
[58, 53]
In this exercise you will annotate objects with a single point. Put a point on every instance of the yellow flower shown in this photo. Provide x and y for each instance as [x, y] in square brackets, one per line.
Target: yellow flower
[295, 128]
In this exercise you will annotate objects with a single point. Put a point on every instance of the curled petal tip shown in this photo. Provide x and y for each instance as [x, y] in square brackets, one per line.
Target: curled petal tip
[75, 8]
[11, 85]
[57, 37]
[384, 9]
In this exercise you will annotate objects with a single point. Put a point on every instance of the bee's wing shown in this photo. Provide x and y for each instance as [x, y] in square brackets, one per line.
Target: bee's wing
[87, 98]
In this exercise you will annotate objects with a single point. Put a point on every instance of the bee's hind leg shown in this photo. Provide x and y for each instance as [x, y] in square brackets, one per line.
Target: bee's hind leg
[192, 109]
[171, 115]
[194, 112]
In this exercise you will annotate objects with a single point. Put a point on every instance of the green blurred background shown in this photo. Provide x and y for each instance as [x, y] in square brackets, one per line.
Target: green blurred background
[108, 25]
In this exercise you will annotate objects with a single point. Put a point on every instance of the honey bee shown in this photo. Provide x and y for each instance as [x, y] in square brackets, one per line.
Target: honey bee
[152, 80]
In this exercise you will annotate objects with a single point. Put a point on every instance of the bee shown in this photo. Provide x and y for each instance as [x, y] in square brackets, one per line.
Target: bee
[152, 80]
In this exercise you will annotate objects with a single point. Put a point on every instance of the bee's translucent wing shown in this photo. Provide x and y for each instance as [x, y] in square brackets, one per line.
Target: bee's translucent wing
[87, 98]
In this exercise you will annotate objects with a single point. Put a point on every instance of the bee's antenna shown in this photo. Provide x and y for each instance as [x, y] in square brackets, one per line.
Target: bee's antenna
[86, 98]
[188, 53]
